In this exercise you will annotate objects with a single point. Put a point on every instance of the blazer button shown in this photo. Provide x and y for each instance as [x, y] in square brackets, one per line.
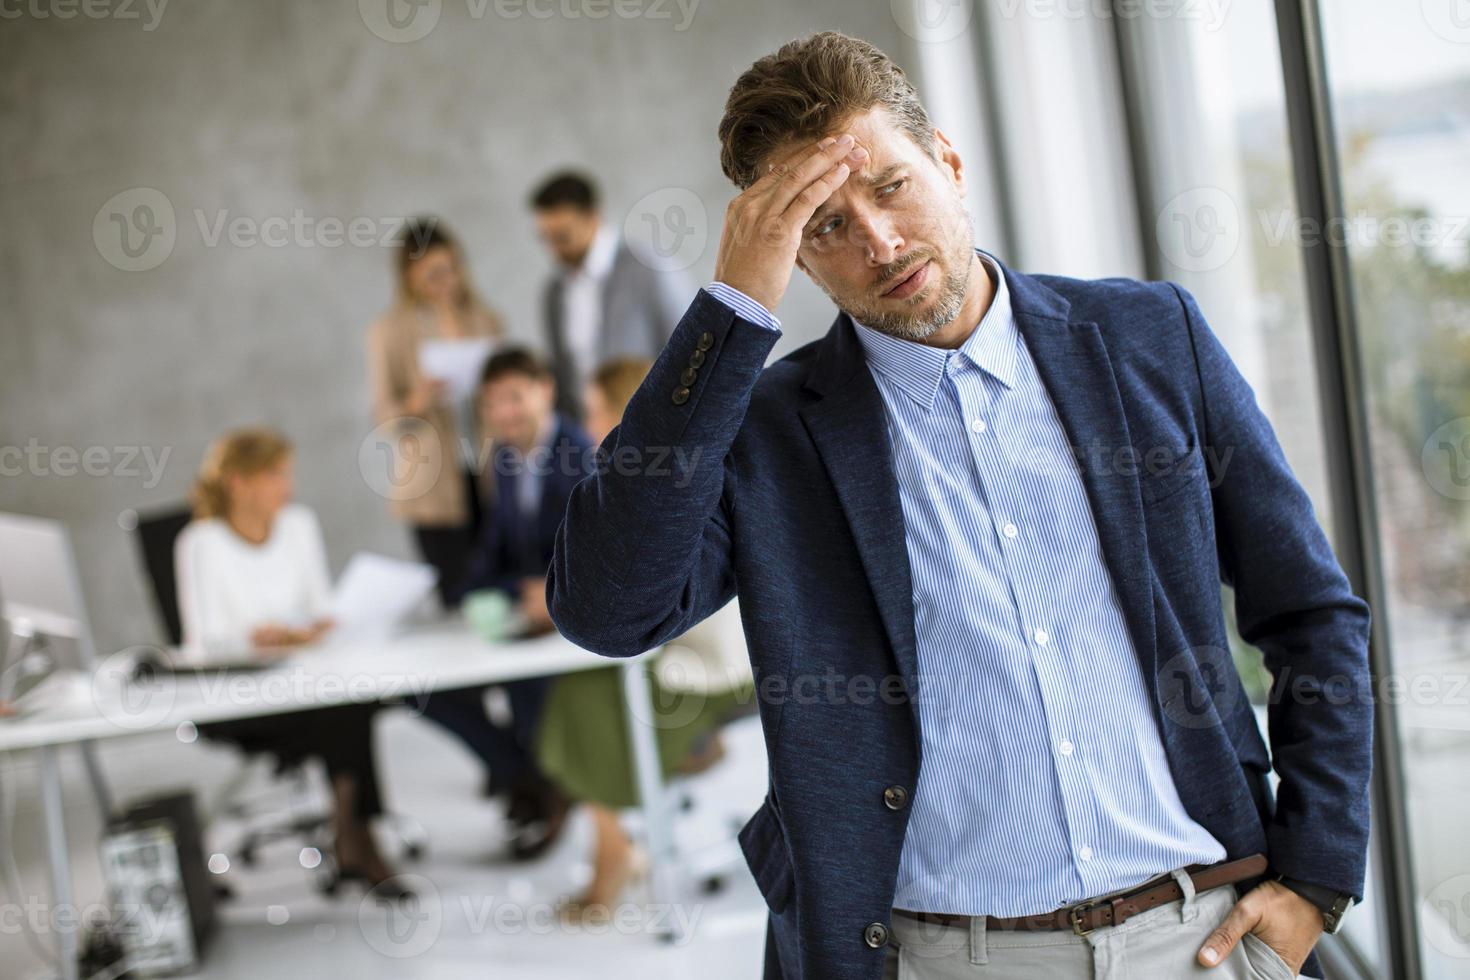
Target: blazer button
[681, 395]
[895, 797]
[689, 376]
[706, 341]
[696, 360]
[876, 935]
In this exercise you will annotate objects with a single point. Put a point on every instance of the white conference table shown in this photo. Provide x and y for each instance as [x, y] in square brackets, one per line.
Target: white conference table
[431, 658]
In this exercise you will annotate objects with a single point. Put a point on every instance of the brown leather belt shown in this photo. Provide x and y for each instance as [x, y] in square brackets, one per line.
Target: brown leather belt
[1111, 910]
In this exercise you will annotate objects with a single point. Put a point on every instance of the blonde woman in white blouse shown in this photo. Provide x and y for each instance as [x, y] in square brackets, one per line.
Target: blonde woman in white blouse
[252, 579]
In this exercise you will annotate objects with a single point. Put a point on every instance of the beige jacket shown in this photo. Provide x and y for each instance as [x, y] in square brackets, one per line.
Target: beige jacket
[429, 486]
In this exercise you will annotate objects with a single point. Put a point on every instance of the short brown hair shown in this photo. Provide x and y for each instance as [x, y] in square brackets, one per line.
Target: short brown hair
[806, 89]
[511, 361]
[619, 378]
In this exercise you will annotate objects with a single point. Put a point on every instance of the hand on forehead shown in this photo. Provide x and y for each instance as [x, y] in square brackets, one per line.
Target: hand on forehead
[792, 154]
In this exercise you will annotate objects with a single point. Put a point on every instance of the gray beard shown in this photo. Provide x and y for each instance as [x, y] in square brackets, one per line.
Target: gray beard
[919, 327]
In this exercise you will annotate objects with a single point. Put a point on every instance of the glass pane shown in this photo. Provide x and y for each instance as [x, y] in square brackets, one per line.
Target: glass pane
[1400, 83]
[1217, 155]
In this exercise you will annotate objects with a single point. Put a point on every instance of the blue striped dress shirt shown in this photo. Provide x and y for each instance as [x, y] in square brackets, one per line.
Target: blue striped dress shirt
[1044, 779]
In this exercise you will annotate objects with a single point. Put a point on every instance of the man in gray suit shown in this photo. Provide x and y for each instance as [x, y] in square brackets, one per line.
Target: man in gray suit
[603, 301]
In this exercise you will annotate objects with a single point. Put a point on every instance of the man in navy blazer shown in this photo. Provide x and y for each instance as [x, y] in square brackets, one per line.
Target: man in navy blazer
[536, 457]
[1002, 722]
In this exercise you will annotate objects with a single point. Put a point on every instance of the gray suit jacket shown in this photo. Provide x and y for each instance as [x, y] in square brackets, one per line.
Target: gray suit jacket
[640, 308]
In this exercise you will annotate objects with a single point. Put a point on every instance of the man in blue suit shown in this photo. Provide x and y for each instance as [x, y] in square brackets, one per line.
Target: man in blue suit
[978, 533]
[537, 455]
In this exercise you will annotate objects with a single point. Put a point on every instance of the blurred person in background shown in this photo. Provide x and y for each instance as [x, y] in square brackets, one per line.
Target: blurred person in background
[435, 301]
[535, 457]
[603, 301]
[253, 580]
[583, 742]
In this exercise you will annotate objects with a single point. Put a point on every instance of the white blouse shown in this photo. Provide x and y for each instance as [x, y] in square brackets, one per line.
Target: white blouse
[229, 587]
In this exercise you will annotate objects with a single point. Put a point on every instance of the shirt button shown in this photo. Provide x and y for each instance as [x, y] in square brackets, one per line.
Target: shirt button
[1066, 747]
[977, 426]
[1085, 854]
[1009, 530]
[1040, 637]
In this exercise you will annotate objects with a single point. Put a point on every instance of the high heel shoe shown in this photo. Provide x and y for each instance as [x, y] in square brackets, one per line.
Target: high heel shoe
[587, 909]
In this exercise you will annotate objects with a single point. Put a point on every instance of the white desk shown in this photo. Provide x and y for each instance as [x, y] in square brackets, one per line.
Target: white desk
[416, 662]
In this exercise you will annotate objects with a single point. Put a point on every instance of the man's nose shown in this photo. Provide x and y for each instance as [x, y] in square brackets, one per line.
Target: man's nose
[880, 240]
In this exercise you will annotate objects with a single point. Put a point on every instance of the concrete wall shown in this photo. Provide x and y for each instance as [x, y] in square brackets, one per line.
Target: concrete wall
[269, 109]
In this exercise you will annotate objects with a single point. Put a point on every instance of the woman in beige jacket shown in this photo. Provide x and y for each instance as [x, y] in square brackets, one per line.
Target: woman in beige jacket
[432, 486]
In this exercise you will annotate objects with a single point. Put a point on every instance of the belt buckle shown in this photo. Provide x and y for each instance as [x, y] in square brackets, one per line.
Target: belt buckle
[1075, 914]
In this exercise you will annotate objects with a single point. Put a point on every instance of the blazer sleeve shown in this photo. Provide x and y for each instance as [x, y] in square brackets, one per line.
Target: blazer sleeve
[488, 566]
[643, 552]
[1294, 603]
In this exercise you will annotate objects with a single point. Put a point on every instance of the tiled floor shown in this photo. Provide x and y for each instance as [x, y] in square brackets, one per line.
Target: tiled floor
[478, 917]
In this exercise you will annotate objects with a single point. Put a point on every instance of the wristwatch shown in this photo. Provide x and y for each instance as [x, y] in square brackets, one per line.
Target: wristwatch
[1334, 905]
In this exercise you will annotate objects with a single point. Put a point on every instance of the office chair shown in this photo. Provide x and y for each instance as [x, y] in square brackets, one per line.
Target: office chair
[304, 818]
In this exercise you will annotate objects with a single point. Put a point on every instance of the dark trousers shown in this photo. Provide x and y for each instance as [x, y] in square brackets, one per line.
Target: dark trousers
[448, 549]
[341, 737]
[507, 752]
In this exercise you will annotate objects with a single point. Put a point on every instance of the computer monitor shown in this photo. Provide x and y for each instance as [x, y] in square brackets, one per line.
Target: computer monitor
[42, 590]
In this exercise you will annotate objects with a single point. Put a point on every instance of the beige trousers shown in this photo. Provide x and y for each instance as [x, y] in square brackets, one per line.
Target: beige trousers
[1159, 944]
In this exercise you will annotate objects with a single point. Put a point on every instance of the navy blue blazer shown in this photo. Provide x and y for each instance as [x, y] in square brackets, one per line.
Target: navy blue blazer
[511, 547]
[787, 496]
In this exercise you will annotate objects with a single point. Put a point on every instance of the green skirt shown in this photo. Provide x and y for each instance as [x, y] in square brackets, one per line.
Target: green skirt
[583, 743]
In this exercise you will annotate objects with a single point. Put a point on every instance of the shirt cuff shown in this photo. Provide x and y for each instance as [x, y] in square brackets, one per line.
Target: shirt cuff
[745, 307]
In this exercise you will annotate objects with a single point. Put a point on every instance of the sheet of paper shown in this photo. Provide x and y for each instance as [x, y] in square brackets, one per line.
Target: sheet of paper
[375, 593]
[457, 363]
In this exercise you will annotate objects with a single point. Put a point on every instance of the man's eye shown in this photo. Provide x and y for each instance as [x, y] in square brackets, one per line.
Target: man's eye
[888, 189]
[825, 228]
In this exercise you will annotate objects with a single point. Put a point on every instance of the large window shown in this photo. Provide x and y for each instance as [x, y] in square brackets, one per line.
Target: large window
[1219, 213]
[1399, 77]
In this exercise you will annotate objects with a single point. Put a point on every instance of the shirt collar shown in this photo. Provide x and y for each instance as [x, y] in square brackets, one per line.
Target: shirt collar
[918, 369]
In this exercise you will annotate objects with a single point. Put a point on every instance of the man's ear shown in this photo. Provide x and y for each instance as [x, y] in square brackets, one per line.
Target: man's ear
[948, 159]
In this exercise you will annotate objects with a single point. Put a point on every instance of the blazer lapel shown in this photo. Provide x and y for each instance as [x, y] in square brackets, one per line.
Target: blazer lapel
[1075, 367]
[850, 430]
